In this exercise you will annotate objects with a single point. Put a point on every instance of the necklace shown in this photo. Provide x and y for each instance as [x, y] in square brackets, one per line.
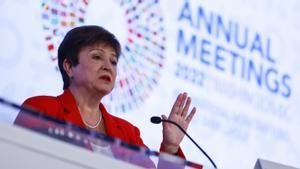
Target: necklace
[94, 126]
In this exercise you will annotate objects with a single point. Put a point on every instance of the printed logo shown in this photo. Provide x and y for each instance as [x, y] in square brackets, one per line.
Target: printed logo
[142, 55]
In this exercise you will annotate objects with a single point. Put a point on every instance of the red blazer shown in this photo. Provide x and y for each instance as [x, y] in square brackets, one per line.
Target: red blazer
[64, 107]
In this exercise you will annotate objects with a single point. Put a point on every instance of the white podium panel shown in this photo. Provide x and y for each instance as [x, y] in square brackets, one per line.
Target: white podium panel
[265, 164]
[22, 149]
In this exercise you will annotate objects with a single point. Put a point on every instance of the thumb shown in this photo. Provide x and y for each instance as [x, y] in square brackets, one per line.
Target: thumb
[164, 117]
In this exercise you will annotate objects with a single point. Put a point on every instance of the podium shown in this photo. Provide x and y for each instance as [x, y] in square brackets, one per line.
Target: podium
[41, 142]
[266, 164]
[21, 148]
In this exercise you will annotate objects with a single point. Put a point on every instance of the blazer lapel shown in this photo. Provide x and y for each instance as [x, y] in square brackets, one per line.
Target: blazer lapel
[71, 112]
[112, 128]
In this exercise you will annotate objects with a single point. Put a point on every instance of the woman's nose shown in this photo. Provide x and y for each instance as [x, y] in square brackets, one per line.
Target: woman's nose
[105, 67]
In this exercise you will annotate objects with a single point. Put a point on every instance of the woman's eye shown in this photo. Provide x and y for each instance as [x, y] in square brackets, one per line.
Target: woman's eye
[97, 57]
[114, 62]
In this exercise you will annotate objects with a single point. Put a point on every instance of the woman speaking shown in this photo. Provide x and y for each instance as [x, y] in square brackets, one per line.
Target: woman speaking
[87, 59]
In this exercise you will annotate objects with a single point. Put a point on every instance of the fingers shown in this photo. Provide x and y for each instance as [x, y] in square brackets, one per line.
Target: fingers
[176, 105]
[186, 107]
[191, 115]
[182, 103]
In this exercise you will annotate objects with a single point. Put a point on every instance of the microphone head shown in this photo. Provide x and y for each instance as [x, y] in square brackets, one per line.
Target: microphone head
[156, 119]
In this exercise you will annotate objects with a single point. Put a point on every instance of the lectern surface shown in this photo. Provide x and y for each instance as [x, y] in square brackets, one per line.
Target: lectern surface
[42, 142]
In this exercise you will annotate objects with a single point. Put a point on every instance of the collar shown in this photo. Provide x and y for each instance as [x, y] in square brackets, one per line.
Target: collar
[71, 112]
[111, 125]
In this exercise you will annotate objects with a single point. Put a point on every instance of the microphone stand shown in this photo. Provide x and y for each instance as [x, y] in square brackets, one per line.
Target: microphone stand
[157, 120]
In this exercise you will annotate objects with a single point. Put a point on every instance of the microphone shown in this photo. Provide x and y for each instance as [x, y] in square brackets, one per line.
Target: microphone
[157, 120]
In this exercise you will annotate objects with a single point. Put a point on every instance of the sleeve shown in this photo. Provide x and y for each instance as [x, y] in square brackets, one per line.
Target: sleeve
[40, 104]
[138, 138]
[24, 118]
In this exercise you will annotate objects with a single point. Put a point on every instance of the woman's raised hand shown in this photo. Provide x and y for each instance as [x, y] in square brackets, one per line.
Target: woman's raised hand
[172, 135]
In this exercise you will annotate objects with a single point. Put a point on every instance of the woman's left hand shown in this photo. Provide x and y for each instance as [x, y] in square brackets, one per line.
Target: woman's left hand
[172, 136]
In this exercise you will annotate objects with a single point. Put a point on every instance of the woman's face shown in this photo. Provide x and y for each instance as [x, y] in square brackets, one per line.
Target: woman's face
[96, 69]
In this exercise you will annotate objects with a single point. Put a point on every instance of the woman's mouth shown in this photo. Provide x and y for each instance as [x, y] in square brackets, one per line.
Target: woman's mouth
[105, 78]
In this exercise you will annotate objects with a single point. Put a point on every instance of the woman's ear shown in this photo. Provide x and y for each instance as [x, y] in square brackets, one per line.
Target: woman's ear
[68, 67]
